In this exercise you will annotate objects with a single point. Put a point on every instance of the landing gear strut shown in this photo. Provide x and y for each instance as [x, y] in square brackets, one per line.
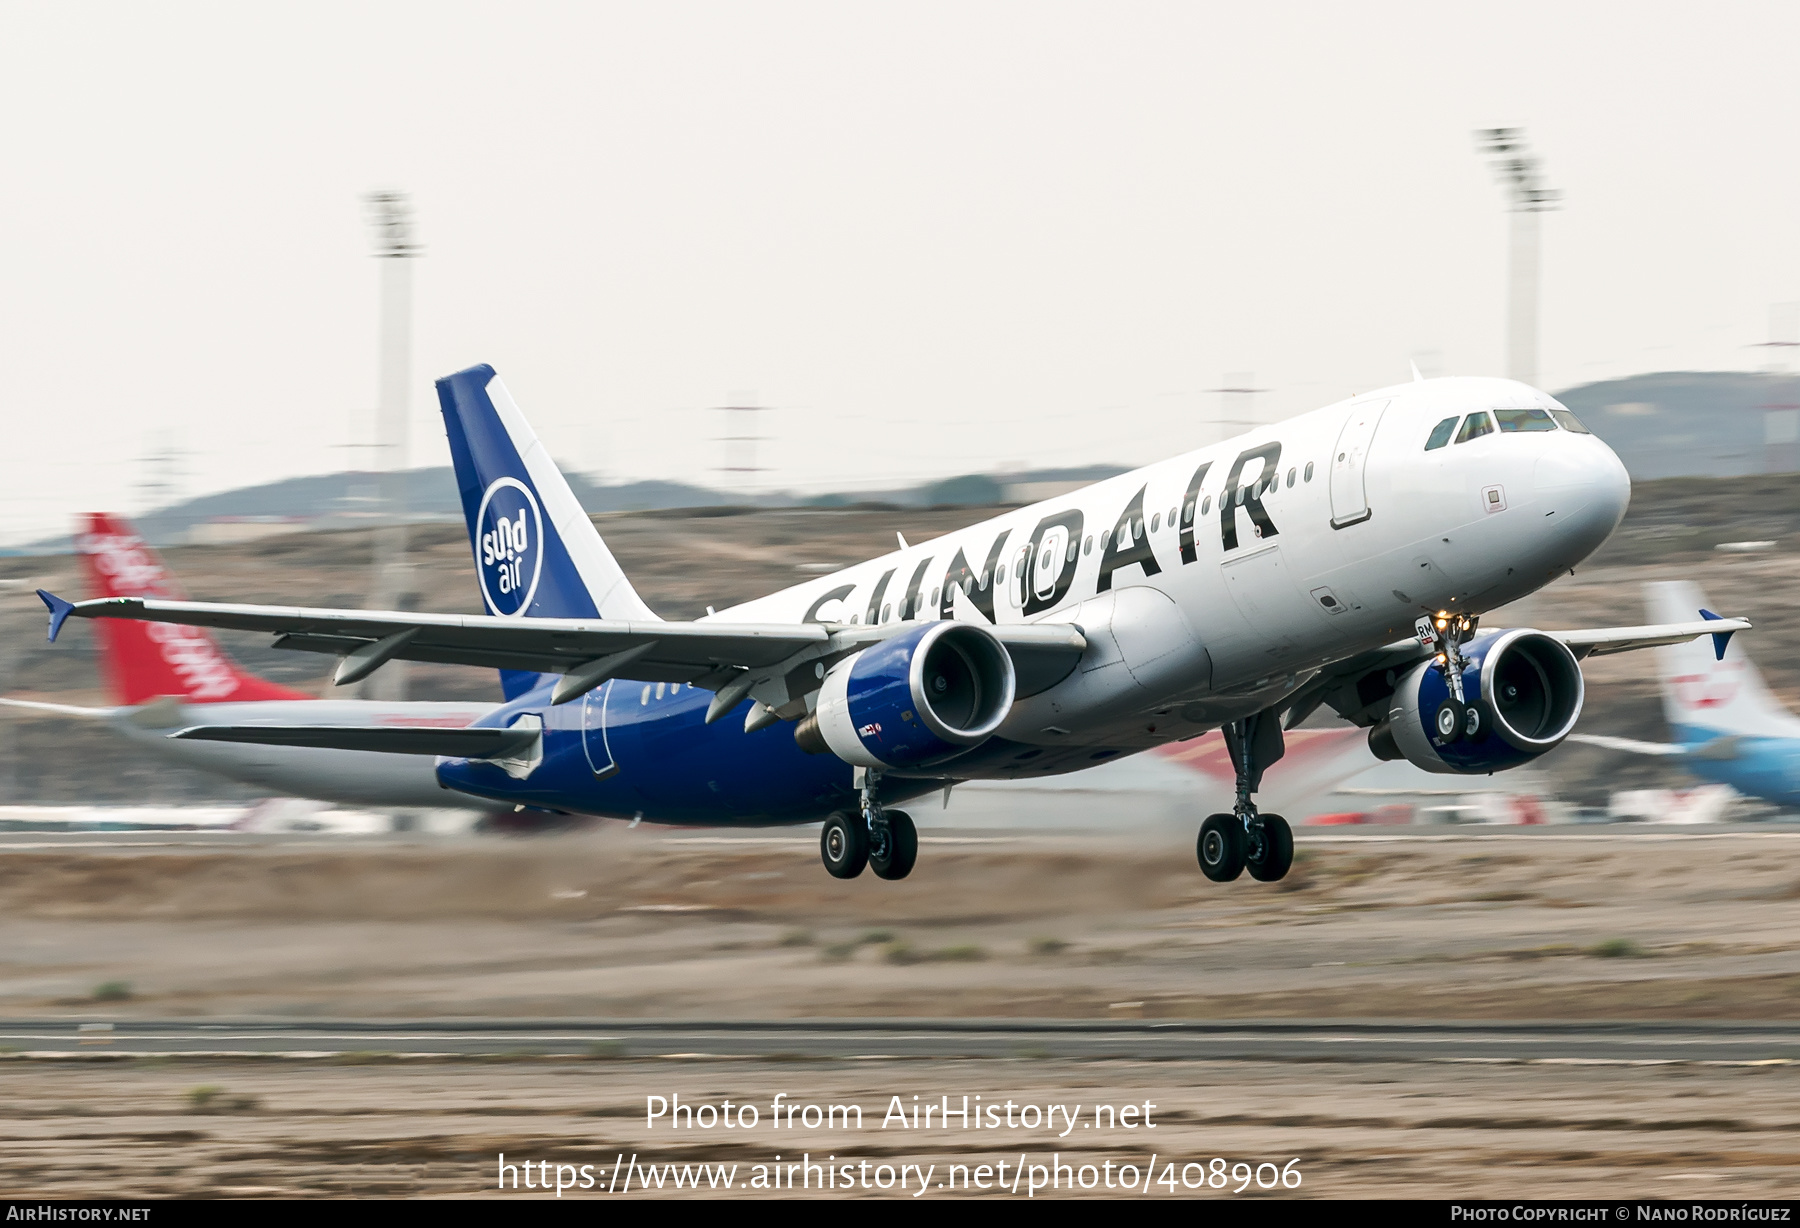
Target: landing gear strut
[1458, 717]
[883, 840]
[1246, 839]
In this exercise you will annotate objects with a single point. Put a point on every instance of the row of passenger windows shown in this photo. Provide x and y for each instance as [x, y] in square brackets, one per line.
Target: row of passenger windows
[1127, 533]
[1512, 422]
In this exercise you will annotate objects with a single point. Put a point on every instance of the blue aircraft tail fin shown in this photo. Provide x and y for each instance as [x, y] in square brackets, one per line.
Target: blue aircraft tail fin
[537, 555]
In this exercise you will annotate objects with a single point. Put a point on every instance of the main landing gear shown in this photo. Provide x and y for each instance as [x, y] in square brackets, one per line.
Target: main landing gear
[883, 840]
[1245, 839]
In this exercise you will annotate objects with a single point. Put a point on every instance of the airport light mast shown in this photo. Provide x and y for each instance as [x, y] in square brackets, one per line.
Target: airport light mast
[1520, 173]
[390, 213]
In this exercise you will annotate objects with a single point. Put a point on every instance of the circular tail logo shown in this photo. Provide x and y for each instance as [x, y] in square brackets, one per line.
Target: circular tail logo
[509, 546]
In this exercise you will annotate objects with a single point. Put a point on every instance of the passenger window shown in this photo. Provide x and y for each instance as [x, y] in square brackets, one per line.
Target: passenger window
[1206, 505]
[1569, 421]
[659, 690]
[1514, 421]
[1290, 479]
[645, 697]
[1474, 427]
[1440, 434]
[886, 610]
[1187, 514]
[1156, 522]
[1087, 547]
[1307, 476]
[934, 596]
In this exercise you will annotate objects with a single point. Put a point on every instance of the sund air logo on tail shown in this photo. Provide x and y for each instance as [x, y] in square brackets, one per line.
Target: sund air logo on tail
[509, 546]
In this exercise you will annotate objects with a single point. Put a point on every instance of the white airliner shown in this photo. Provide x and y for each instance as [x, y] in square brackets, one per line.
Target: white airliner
[164, 677]
[1343, 557]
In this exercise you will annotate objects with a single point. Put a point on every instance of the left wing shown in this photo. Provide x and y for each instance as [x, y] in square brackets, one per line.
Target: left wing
[771, 662]
[675, 652]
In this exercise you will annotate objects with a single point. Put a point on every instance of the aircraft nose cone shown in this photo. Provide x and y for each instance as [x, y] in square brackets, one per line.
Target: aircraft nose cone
[1586, 487]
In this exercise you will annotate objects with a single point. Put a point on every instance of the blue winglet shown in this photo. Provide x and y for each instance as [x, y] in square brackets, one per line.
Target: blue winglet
[1721, 639]
[59, 611]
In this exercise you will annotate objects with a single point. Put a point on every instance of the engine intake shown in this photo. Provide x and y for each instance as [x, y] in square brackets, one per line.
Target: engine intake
[1530, 690]
[914, 699]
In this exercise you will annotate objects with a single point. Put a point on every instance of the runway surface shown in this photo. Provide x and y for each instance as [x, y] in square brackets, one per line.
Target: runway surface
[1296, 1040]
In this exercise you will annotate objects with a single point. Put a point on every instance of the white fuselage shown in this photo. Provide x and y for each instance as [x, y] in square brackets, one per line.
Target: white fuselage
[1197, 613]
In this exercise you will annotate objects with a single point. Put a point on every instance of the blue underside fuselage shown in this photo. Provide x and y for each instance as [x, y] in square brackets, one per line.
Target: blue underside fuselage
[630, 749]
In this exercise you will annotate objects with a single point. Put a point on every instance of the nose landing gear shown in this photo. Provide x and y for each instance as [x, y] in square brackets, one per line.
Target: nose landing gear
[1458, 717]
[883, 840]
[1246, 839]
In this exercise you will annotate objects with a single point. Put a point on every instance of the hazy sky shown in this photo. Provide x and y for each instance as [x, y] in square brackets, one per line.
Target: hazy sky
[936, 238]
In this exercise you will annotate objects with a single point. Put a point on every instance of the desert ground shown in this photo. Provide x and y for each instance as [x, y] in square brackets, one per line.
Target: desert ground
[1578, 927]
[357, 1126]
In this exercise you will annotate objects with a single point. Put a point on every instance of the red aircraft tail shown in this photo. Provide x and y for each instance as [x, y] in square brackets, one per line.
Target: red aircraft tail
[143, 661]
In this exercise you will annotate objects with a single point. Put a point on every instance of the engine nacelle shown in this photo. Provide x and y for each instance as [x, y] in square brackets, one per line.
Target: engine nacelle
[916, 698]
[1530, 689]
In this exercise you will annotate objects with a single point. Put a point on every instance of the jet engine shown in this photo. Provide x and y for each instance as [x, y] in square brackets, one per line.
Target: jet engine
[914, 699]
[1524, 691]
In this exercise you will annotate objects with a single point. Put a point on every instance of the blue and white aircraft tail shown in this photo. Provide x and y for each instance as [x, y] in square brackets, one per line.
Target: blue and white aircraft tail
[536, 552]
[537, 555]
[1728, 726]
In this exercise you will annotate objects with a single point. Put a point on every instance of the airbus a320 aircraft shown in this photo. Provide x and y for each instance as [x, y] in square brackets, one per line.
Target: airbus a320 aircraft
[1342, 557]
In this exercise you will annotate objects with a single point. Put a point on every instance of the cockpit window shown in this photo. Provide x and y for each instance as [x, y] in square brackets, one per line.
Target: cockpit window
[1569, 421]
[1440, 434]
[1513, 421]
[1474, 427]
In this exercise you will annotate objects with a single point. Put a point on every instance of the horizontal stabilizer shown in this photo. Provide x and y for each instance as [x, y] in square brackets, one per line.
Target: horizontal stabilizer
[451, 743]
